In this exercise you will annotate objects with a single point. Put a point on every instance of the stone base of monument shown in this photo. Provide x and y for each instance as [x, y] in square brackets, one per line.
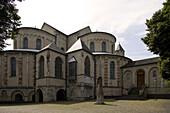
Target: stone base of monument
[101, 103]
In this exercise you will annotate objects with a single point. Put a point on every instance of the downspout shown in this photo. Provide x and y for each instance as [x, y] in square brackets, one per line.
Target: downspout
[35, 77]
[66, 75]
[66, 67]
[122, 79]
[94, 77]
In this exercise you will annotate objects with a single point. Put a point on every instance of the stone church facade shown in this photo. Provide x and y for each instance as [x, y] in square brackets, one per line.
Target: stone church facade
[47, 65]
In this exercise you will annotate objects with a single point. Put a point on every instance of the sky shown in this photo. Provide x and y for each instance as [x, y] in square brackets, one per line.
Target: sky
[125, 19]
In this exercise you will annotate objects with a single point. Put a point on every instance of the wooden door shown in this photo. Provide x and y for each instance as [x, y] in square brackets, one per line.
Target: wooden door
[140, 79]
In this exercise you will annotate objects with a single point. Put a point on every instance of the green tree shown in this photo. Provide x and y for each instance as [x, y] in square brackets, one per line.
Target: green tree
[158, 38]
[9, 21]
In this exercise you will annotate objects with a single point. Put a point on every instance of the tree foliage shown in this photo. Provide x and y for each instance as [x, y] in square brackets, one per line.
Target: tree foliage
[158, 38]
[9, 21]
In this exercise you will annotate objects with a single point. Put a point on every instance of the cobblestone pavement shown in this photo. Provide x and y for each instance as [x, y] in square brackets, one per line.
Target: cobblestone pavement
[110, 106]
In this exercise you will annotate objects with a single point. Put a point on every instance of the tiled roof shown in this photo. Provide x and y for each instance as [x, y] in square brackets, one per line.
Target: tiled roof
[141, 62]
[53, 47]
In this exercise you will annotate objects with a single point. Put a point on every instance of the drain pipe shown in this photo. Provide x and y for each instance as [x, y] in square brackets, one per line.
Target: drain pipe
[66, 75]
[94, 77]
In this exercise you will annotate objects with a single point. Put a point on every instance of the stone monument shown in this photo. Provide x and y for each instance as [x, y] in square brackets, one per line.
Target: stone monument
[100, 95]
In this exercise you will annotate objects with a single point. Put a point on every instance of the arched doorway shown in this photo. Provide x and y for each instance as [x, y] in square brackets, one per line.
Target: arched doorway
[40, 96]
[18, 98]
[140, 78]
[61, 95]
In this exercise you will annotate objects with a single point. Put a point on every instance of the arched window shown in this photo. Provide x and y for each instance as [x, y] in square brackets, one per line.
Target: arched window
[103, 46]
[87, 66]
[58, 67]
[38, 44]
[128, 76]
[72, 68]
[25, 44]
[112, 70]
[92, 46]
[154, 73]
[13, 67]
[41, 67]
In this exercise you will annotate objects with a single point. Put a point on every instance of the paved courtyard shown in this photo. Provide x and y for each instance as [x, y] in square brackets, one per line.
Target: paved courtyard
[111, 106]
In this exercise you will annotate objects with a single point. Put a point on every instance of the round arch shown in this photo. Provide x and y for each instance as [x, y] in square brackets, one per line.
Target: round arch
[31, 96]
[61, 95]
[151, 78]
[127, 78]
[17, 96]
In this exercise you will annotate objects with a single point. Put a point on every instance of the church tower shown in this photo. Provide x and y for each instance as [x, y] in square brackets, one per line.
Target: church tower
[119, 50]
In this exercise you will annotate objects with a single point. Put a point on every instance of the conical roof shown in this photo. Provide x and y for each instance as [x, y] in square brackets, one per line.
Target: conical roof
[119, 48]
[53, 47]
[78, 45]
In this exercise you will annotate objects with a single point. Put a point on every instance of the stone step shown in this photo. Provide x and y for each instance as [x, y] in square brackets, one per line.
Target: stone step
[131, 97]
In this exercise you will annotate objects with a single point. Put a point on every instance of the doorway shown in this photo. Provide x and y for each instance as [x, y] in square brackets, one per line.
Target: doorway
[61, 95]
[40, 96]
[140, 78]
[18, 98]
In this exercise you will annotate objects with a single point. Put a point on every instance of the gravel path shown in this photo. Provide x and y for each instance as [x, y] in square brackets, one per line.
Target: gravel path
[111, 106]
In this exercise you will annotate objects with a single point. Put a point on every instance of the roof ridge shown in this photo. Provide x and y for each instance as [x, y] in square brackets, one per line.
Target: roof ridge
[79, 30]
[53, 28]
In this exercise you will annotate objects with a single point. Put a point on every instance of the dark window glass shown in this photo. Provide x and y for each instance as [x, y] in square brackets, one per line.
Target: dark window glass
[128, 76]
[13, 67]
[87, 66]
[38, 44]
[41, 67]
[62, 48]
[58, 67]
[25, 43]
[103, 46]
[92, 46]
[154, 74]
[112, 70]
[72, 70]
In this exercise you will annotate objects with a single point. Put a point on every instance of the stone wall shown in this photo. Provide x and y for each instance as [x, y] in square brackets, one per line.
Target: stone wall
[98, 38]
[112, 87]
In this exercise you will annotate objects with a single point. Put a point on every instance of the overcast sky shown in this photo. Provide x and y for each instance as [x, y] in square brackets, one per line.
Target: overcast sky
[125, 19]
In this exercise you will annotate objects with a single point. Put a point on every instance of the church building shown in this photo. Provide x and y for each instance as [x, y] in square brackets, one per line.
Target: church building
[47, 65]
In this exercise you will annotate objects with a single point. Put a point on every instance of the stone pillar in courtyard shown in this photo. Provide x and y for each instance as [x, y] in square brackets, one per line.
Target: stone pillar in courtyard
[100, 95]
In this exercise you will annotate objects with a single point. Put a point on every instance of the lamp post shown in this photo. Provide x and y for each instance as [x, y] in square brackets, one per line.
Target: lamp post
[155, 81]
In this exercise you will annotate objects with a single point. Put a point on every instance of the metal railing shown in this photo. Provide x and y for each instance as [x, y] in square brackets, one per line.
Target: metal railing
[132, 86]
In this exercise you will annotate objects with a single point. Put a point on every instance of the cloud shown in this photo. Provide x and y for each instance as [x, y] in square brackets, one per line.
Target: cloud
[123, 18]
